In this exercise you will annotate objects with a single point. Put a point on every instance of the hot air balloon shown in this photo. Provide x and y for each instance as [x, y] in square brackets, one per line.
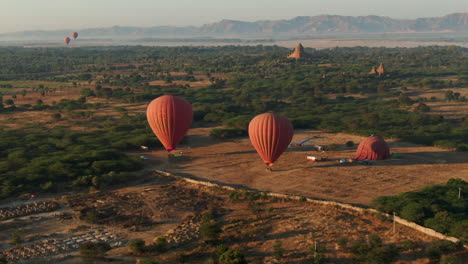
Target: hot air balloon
[66, 40]
[270, 135]
[373, 148]
[74, 35]
[169, 117]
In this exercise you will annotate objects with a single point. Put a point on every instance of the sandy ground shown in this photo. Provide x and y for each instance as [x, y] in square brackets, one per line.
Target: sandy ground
[236, 163]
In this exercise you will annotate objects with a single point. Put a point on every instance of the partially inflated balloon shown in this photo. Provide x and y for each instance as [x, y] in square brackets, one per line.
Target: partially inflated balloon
[270, 135]
[66, 40]
[169, 117]
[74, 35]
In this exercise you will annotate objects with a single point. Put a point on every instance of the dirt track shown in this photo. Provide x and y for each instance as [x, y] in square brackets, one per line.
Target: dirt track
[236, 162]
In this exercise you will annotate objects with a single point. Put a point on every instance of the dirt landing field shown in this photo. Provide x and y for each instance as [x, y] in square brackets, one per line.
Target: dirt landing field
[236, 162]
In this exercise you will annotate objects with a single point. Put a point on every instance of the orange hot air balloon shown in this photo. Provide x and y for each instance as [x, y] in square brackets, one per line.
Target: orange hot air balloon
[169, 117]
[270, 135]
[74, 35]
[66, 40]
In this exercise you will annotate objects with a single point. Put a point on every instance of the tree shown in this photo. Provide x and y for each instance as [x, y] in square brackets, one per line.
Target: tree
[94, 250]
[373, 251]
[413, 212]
[16, 237]
[210, 231]
[422, 107]
[232, 257]
[9, 102]
[160, 244]
[277, 250]
[441, 222]
[449, 95]
[405, 99]
[137, 246]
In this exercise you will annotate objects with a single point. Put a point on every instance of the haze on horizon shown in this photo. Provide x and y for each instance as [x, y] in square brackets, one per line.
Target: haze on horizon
[20, 15]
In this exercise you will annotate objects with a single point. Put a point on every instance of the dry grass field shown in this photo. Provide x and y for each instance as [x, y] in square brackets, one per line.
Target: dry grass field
[451, 110]
[236, 162]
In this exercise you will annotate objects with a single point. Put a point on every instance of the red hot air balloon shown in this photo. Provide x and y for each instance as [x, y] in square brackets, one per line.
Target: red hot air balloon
[169, 117]
[66, 40]
[74, 35]
[270, 134]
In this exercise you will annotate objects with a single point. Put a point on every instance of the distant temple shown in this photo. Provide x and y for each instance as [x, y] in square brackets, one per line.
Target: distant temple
[381, 70]
[298, 52]
[373, 70]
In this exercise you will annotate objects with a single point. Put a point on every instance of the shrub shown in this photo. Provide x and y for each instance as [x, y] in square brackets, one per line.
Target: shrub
[234, 196]
[210, 231]
[93, 250]
[220, 249]
[343, 241]
[442, 247]
[373, 251]
[160, 244]
[136, 245]
[277, 250]
[232, 257]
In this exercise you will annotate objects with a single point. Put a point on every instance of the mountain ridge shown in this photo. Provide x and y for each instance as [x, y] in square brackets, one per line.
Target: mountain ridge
[456, 22]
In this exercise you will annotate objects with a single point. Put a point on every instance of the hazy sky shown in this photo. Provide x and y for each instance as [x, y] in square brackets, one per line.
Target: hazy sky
[16, 15]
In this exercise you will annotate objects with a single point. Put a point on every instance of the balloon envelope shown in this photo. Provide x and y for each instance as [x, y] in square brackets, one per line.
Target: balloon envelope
[270, 135]
[74, 35]
[66, 40]
[169, 117]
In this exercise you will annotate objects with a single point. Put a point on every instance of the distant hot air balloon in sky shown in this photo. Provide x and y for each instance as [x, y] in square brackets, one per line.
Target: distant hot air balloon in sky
[66, 40]
[169, 117]
[270, 135]
[74, 35]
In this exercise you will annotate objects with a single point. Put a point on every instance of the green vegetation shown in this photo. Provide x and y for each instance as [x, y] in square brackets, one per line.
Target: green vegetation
[437, 249]
[159, 245]
[16, 238]
[232, 257]
[45, 159]
[94, 250]
[440, 207]
[137, 246]
[373, 251]
[277, 250]
[210, 229]
[332, 90]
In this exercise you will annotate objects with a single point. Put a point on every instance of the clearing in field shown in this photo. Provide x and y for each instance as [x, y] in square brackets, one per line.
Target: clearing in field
[236, 162]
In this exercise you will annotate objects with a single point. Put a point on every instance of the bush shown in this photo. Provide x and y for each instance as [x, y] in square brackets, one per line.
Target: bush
[160, 244]
[220, 249]
[442, 247]
[209, 228]
[409, 245]
[277, 250]
[373, 251]
[232, 257]
[136, 245]
[93, 250]
[56, 116]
